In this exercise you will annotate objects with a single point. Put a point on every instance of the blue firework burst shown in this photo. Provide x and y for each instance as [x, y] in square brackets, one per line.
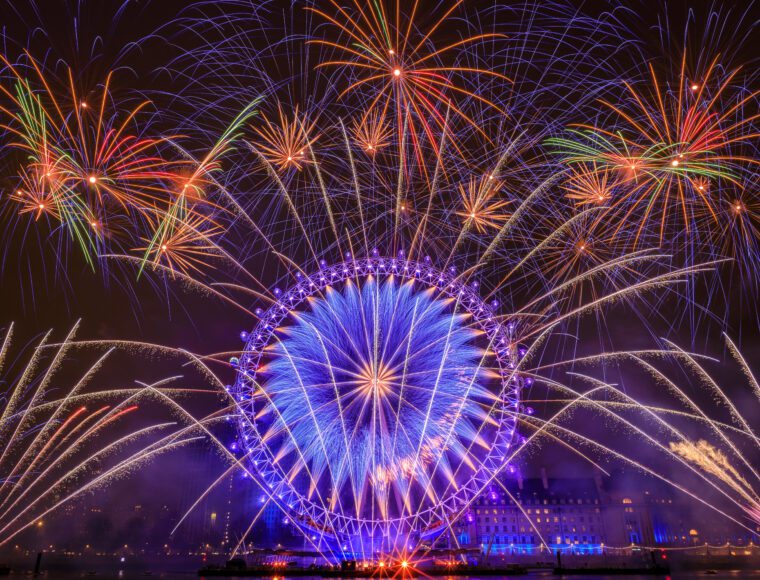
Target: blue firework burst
[378, 390]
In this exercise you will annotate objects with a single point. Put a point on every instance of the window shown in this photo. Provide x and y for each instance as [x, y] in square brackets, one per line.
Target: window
[627, 500]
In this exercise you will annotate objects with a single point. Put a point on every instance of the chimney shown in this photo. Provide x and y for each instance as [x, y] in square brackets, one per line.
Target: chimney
[544, 478]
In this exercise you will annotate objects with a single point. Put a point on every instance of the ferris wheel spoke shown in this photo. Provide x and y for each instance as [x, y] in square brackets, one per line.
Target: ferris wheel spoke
[382, 394]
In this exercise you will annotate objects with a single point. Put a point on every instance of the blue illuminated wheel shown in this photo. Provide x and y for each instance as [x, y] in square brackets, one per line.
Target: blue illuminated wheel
[378, 398]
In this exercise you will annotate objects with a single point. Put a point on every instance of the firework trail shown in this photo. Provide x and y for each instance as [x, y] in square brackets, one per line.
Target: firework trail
[57, 444]
[698, 444]
[408, 227]
[396, 279]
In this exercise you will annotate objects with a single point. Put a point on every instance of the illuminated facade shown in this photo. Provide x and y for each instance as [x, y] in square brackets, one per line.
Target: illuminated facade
[587, 516]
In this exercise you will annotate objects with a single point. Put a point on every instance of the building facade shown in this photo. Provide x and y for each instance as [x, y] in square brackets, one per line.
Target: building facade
[588, 516]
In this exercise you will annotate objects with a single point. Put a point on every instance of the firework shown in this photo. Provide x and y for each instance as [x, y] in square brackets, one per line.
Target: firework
[738, 234]
[88, 168]
[721, 457]
[286, 144]
[400, 71]
[56, 446]
[181, 241]
[482, 207]
[402, 252]
[86, 160]
[372, 132]
[725, 457]
[588, 186]
[672, 150]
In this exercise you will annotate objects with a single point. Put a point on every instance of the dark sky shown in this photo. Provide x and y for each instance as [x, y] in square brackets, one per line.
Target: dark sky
[138, 38]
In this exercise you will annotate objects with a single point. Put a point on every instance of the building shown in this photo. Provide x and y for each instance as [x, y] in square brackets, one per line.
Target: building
[588, 516]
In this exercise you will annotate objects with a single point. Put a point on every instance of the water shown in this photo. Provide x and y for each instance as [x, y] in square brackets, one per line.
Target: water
[538, 575]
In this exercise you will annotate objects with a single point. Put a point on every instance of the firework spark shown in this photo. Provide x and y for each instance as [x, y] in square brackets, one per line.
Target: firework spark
[52, 450]
[482, 207]
[286, 143]
[668, 148]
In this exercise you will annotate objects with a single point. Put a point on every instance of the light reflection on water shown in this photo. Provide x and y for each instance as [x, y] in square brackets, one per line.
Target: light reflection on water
[542, 575]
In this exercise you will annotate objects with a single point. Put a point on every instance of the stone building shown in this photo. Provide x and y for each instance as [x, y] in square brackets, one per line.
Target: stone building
[587, 516]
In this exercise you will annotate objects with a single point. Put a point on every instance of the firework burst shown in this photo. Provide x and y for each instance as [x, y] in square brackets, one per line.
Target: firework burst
[588, 186]
[182, 242]
[372, 132]
[286, 143]
[56, 446]
[402, 253]
[396, 66]
[672, 150]
[482, 208]
[86, 160]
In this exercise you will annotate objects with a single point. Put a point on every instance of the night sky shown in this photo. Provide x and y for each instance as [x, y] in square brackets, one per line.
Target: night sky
[147, 44]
